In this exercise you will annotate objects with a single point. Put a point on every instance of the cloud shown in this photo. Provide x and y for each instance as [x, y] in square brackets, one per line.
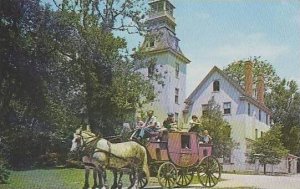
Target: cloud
[254, 44]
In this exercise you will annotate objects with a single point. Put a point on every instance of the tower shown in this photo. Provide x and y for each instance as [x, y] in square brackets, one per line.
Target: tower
[162, 45]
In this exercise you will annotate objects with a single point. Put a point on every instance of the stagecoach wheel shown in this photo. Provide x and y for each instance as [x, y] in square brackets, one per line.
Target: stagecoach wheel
[185, 177]
[209, 171]
[142, 179]
[167, 175]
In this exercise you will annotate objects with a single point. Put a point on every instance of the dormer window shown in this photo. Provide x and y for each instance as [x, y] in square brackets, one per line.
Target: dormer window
[216, 86]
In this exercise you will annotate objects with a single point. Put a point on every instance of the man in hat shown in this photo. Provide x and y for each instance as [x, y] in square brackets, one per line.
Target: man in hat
[169, 123]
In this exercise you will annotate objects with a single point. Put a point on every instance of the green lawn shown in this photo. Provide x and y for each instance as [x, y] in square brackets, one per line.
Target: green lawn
[61, 179]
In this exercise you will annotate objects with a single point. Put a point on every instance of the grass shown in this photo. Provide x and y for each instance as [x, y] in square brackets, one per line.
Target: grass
[51, 179]
[66, 179]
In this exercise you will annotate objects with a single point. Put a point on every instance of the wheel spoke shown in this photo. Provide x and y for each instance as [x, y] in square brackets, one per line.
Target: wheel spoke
[166, 182]
[206, 180]
[214, 176]
[209, 180]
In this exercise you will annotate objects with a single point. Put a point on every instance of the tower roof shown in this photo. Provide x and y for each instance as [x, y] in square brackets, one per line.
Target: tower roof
[161, 28]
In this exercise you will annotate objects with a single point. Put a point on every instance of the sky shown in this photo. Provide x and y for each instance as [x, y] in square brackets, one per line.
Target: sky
[218, 32]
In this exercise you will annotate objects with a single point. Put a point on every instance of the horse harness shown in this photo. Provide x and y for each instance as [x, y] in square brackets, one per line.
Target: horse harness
[91, 148]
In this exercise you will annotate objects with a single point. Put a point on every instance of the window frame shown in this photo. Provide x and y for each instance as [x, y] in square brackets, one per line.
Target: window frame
[176, 116]
[204, 109]
[176, 95]
[151, 70]
[249, 109]
[177, 69]
[225, 111]
[216, 86]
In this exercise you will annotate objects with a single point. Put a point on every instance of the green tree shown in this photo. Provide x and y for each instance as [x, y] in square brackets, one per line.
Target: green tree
[236, 71]
[269, 146]
[219, 130]
[110, 89]
[284, 102]
[60, 69]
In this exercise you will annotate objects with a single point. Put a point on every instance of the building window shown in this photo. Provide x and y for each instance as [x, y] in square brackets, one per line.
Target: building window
[176, 117]
[151, 43]
[256, 133]
[177, 70]
[227, 107]
[259, 115]
[216, 86]
[204, 109]
[151, 69]
[176, 95]
[249, 109]
[267, 119]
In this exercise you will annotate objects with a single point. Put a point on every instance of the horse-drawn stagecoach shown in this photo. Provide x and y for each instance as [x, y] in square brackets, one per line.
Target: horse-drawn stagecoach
[176, 160]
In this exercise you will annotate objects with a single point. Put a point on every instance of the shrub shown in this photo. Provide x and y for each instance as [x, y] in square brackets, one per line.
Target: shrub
[4, 173]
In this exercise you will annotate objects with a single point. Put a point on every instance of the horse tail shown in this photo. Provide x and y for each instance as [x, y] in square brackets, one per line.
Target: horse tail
[145, 164]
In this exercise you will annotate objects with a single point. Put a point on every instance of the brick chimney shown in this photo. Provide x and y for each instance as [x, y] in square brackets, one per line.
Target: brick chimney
[248, 78]
[260, 89]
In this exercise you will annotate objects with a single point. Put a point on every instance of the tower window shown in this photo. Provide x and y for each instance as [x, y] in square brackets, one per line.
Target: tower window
[267, 119]
[259, 115]
[216, 86]
[227, 108]
[176, 95]
[177, 70]
[151, 43]
[151, 69]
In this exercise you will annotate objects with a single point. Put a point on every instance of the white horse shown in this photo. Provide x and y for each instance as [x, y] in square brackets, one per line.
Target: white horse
[113, 156]
[89, 163]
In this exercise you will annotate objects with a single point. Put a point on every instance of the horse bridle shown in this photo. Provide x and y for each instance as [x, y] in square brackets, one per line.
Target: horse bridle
[90, 136]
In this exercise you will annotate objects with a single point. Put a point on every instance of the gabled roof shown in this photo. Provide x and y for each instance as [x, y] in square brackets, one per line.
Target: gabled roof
[243, 96]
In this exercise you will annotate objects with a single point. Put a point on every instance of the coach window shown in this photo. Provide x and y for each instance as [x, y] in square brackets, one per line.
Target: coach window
[185, 142]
